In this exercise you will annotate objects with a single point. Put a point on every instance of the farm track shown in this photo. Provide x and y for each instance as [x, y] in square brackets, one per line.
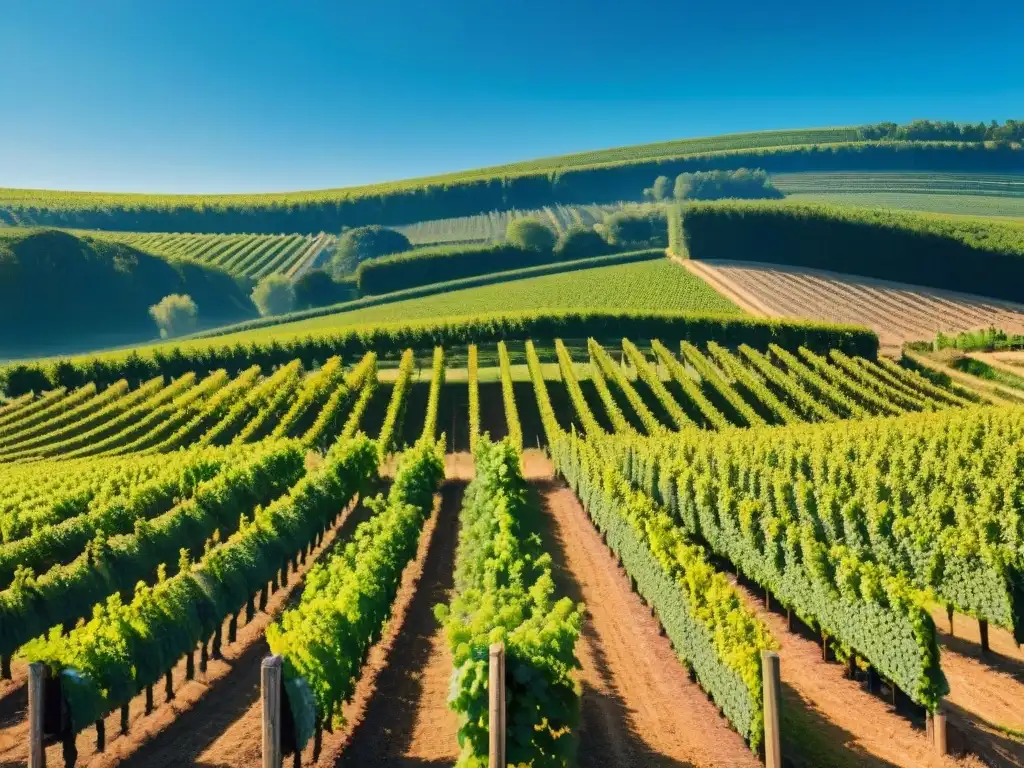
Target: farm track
[639, 708]
[896, 311]
[176, 732]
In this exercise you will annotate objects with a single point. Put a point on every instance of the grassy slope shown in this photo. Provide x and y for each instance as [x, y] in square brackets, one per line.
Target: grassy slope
[765, 139]
[970, 194]
[649, 285]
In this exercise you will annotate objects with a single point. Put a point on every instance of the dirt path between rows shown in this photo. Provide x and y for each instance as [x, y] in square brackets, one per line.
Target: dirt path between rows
[639, 708]
[986, 694]
[177, 731]
[830, 720]
[399, 717]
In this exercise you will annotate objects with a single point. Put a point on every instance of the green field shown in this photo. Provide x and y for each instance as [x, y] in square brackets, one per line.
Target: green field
[649, 285]
[969, 194]
[952, 204]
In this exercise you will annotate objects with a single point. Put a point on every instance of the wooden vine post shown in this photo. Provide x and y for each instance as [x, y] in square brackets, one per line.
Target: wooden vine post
[939, 731]
[36, 680]
[772, 700]
[270, 684]
[496, 721]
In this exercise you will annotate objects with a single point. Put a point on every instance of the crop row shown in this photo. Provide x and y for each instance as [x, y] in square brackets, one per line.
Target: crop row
[126, 648]
[504, 592]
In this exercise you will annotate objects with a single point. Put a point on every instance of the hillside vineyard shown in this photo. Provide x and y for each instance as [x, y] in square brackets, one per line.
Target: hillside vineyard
[149, 524]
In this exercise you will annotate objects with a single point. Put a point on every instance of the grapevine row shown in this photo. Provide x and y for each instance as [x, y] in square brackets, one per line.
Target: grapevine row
[325, 639]
[504, 593]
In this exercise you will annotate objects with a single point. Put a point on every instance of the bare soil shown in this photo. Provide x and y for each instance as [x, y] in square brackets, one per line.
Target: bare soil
[898, 312]
[639, 707]
[828, 719]
[986, 698]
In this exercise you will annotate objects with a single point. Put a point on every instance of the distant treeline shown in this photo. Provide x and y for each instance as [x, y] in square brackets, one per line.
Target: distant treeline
[404, 203]
[172, 361]
[932, 130]
[740, 184]
[986, 258]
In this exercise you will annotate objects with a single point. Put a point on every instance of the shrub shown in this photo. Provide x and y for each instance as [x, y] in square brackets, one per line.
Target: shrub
[580, 243]
[716, 185]
[274, 295]
[637, 228]
[362, 243]
[530, 235]
[659, 191]
[175, 315]
[317, 288]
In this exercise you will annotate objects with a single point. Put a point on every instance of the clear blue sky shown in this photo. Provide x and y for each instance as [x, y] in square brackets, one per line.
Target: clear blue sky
[183, 96]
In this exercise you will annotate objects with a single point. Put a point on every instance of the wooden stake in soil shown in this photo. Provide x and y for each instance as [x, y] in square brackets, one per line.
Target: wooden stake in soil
[101, 735]
[125, 712]
[270, 684]
[5, 666]
[939, 732]
[496, 721]
[983, 631]
[772, 698]
[36, 678]
[949, 614]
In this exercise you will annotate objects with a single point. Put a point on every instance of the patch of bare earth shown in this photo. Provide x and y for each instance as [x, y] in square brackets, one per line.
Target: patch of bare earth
[830, 719]
[639, 707]
[986, 692]
[898, 312]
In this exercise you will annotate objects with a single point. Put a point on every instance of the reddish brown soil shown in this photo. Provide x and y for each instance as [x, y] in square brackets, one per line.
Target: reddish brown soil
[896, 311]
[399, 716]
[177, 731]
[986, 693]
[828, 718]
[639, 707]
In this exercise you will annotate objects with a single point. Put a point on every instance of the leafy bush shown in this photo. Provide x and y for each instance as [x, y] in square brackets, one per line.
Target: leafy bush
[365, 243]
[530, 235]
[175, 315]
[716, 185]
[274, 295]
[580, 243]
[317, 288]
[636, 229]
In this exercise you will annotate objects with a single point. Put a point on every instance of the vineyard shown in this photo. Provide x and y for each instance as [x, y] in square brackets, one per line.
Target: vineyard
[491, 227]
[252, 256]
[897, 312]
[159, 536]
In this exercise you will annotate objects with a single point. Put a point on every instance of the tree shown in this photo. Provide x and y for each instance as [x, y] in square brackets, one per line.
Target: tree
[660, 189]
[362, 243]
[530, 235]
[317, 288]
[637, 228]
[274, 295]
[580, 243]
[175, 315]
